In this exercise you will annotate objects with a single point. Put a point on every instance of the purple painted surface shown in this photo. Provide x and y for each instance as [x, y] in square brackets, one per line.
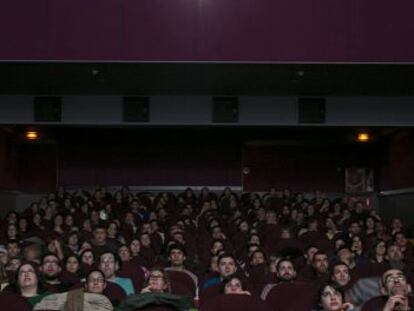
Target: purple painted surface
[208, 30]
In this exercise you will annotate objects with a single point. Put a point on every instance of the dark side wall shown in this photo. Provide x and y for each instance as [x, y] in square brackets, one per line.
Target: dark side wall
[399, 171]
[8, 165]
[173, 157]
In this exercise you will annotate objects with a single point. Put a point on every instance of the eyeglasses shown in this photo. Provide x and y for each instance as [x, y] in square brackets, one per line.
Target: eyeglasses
[394, 278]
[21, 272]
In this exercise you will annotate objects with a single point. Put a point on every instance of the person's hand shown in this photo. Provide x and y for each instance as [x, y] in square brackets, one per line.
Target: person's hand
[397, 302]
[146, 289]
[348, 307]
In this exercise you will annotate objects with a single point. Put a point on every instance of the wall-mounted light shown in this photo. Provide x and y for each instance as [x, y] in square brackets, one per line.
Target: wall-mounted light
[31, 135]
[363, 137]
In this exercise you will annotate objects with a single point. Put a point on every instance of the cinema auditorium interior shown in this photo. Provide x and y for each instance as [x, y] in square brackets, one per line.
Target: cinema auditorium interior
[207, 155]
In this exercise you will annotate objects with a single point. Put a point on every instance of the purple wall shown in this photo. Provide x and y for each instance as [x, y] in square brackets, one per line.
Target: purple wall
[210, 30]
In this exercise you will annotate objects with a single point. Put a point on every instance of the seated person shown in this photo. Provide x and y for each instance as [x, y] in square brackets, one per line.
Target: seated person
[51, 272]
[396, 293]
[340, 274]
[25, 293]
[156, 295]
[109, 264]
[183, 281]
[88, 298]
[211, 288]
[282, 295]
[331, 298]
[233, 286]
[234, 297]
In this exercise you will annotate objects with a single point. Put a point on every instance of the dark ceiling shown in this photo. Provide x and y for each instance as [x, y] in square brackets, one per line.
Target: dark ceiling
[241, 79]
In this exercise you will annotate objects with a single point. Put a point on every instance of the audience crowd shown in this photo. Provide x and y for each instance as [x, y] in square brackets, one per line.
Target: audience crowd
[204, 251]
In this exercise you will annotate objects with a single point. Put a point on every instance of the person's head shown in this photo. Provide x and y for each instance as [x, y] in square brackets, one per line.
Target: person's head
[73, 239]
[285, 270]
[95, 282]
[354, 228]
[124, 253]
[244, 226]
[394, 282]
[320, 262]
[370, 223]
[339, 242]
[346, 255]
[32, 252]
[310, 252]
[112, 229]
[12, 232]
[357, 245]
[176, 255]
[400, 240]
[257, 257]
[396, 224]
[331, 297]
[58, 220]
[340, 274]
[254, 239]
[13, 264]
[145, 239]
[286, 233]
[99, 235]
[394, 253]
[87, 257]
[135, 246]
[216, 247]
[232, 285]
[72, 264]
[380, 248]
[313, 224]
[109, 263]
[158, 281]
[271, 216]
[50, 267]
[27, 278]
[226, 265]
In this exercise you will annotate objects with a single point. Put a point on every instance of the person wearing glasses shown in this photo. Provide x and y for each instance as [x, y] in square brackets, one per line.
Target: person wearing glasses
[89, 298]
[396, 293]
[25, 292]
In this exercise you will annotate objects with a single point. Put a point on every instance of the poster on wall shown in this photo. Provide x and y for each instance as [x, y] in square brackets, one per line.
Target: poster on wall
[359, 179]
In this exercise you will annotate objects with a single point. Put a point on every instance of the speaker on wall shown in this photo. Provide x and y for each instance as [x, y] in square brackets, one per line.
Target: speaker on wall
[136, 109]
[225, 109]
[312, 109]
[47, 109]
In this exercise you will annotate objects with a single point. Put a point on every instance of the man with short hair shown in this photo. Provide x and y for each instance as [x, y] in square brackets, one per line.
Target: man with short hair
[109, 263]
[281, 296]
[51, 270]
[183, 281]
[211, 288]
[100, 241]
[13, 248]
[340, 274]
[285, 271]
[396, 293]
